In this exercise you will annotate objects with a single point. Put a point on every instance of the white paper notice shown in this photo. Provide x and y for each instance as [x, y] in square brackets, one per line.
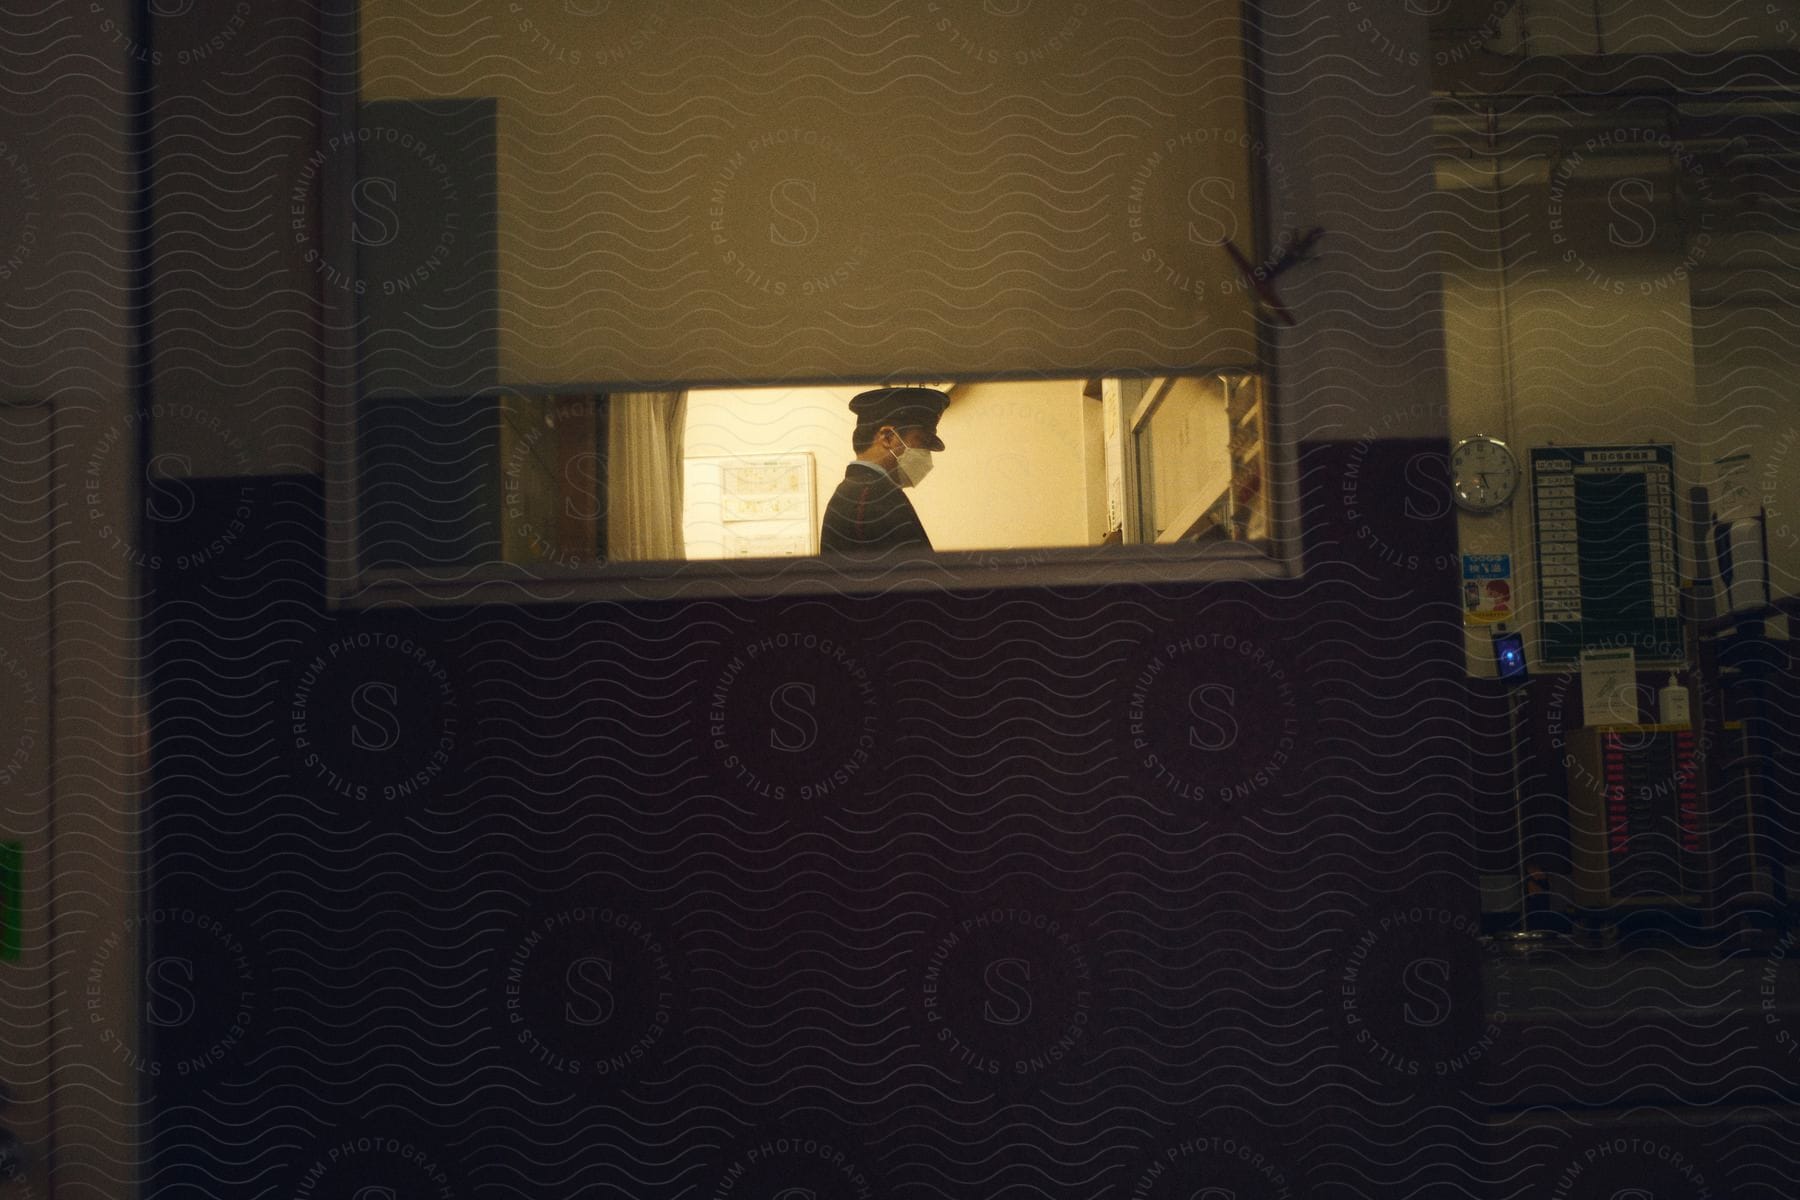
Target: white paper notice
[1609, 687]
[1735, 495]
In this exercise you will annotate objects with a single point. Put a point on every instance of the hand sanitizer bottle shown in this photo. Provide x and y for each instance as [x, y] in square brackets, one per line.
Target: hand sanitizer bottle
[1672, 703]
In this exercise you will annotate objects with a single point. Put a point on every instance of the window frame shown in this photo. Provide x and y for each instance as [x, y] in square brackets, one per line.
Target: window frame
[350, 585]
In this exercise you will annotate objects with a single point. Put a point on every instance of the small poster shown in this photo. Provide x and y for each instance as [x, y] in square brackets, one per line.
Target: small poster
[1734, 495]
[1609, 687]
[750, 506]
[1487, 588]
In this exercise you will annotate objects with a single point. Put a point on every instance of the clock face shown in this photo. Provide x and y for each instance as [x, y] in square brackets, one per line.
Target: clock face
[1483, 474]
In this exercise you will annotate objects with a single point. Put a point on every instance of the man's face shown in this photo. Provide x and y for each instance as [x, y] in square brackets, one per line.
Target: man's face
[895, 442]
[913, 435]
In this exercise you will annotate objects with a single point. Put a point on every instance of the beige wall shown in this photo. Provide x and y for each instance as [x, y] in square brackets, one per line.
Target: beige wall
[1014, 471]
[26, 1013]
[1349, 150]
[66, 217]
[674, 208]
[1365, 361]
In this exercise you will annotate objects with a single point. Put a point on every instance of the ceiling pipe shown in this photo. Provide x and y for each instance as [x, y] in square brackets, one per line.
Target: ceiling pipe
[1582, 28]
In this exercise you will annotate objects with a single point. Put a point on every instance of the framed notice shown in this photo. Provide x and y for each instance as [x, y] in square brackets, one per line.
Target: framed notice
[778, 487]
[750, 507]
[1607, 574]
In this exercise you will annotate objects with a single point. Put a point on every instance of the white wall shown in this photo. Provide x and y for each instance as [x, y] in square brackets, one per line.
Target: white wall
[1748, 368]
[1567, 326]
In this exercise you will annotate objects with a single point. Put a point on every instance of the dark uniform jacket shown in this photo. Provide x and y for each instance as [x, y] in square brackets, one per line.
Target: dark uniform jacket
[869, 513]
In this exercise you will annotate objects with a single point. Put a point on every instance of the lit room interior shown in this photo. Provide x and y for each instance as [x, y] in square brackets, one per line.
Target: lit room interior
[1027, 465]
[786, 600]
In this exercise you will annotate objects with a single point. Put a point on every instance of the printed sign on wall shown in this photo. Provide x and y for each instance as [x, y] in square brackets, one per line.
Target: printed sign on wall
[1487, 588]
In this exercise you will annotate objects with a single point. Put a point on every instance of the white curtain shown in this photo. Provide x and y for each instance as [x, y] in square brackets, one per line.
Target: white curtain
[644, 436]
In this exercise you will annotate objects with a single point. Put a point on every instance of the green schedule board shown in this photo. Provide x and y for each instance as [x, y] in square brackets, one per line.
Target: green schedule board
[1607, 572]
[12, 894]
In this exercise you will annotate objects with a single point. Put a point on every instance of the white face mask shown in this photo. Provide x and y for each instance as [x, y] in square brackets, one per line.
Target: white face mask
[914, 464]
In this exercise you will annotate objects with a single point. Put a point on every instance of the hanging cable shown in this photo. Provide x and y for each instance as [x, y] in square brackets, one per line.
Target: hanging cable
[1506, 373]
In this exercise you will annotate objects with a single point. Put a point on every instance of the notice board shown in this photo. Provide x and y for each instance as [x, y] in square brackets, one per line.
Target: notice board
[1604, 531]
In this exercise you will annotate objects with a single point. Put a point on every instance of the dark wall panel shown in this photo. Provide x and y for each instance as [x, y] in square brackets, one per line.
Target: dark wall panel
[973, 891]
[424, 230]
[1119, 892]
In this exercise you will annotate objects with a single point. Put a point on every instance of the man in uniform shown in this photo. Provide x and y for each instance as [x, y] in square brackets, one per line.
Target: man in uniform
[896, 432]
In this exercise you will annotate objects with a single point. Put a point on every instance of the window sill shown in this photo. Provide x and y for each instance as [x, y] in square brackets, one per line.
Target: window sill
[949, 571]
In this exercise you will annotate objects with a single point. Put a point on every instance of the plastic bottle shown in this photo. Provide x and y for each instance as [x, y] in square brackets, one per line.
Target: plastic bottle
[1672, 703]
